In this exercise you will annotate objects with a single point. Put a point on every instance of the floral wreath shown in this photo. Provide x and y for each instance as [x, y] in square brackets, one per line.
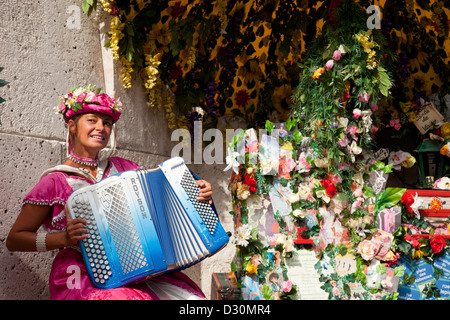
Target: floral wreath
[89, 99]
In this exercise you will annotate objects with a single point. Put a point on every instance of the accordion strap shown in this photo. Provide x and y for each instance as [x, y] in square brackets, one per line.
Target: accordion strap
[65, 168]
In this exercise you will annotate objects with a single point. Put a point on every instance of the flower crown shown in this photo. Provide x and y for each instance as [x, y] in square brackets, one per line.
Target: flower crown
[89, 99]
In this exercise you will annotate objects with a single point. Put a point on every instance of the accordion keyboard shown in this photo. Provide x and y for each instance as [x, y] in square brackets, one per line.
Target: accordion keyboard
[93, 245]
[203, 208]
[123, 230]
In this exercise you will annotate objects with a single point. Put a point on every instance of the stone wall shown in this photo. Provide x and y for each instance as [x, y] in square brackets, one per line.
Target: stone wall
[47, 48]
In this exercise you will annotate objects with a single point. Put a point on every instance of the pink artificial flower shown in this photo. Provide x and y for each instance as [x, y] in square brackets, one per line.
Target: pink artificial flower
[356, 113]
[81, 97]
[358, 193]
[374, 107]
[356, 204]
[289, 165]
[253, 146]
[99, 99]
[337, 55]
[303, 165]
[395, 123]
[329, 65]
[286, 286]
[374, 129]
[343, 142]
[364, 97]
[353, 132]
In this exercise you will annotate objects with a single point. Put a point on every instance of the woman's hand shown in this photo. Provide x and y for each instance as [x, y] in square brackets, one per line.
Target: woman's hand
[75, 229]
[205, 191]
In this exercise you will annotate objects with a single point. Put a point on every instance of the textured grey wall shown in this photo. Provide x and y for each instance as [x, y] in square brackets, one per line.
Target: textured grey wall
[44, 55]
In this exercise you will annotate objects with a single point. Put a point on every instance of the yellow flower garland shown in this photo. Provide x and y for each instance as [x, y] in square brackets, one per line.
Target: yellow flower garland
[106, 5]
[221, 6]
[158, 95]
[116, 35]
[367, 44]
[127, 69]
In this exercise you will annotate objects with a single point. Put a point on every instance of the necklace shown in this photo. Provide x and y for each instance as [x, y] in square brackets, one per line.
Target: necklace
[80, 160]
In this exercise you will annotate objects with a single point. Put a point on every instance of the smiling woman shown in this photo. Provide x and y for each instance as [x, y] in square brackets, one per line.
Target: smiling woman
[90, 115]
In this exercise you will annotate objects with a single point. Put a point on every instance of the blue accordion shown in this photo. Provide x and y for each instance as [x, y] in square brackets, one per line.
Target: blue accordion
[144, 223]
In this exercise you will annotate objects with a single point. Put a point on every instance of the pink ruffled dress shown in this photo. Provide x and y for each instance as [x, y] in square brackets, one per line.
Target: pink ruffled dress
[69, 278]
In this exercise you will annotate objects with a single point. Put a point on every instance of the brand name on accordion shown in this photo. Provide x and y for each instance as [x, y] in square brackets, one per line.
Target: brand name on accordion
[140, 203]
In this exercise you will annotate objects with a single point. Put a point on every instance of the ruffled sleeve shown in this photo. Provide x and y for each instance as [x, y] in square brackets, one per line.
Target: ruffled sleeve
[51, 190]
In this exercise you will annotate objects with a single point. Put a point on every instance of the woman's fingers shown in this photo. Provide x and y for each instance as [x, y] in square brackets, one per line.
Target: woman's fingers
[205, 191]
[75, 229]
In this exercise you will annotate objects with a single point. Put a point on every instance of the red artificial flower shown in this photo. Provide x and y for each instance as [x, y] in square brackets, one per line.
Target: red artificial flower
[330, 188]
[345, 97]
[407, 200]
[251, 182]
[437, 244]
[413, 241]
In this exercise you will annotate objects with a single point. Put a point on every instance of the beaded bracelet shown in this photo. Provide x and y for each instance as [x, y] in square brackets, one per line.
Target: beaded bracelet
[40, 242]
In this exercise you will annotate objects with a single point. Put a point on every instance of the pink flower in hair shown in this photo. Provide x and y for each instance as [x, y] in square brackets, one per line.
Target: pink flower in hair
[81, 97]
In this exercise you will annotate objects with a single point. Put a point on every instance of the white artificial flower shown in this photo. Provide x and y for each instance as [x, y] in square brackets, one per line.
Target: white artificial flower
[417, 205]
[323, 194]
[89, 96]
[78, 91]
[232, 162]
[354, 149]
[243, 234]
[321, 163]
[342, 49]
[299, 213]
[442, 183]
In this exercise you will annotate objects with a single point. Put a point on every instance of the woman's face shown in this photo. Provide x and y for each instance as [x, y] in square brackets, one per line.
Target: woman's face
[91, 133]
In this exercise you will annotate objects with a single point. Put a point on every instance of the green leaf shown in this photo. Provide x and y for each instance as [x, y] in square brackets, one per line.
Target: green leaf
[76, 106]
[290, 123]
[297, 136]
[384, 91]
[381, 268]
[389, 198]
[368, 191]
[266, 292]
[347, 290]
[85, 5]
[399, 271]
[269, 126]
[407, 279]
[233, 266]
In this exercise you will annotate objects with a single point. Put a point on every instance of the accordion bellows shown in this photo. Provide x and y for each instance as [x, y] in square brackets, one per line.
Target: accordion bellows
[144, 223]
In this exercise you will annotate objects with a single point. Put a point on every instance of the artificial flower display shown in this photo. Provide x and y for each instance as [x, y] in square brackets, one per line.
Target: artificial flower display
[365, 237]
